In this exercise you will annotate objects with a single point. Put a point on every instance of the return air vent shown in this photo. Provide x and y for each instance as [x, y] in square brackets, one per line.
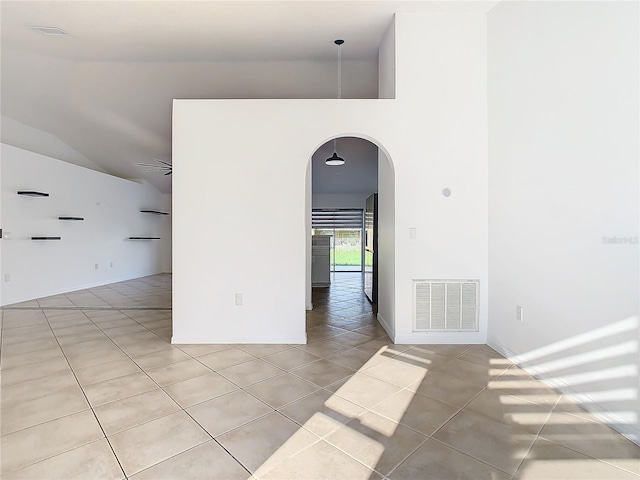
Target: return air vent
[445, 305]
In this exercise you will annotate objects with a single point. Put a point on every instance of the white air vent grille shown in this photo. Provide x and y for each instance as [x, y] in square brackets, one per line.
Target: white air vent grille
[446, 305]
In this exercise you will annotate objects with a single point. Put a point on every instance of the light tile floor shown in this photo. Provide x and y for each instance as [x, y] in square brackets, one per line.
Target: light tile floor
[92, 388]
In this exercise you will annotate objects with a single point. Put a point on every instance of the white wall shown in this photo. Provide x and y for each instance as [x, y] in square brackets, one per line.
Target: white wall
[241, 194]
[110, 207]
[166, 235]
[563, 118]
[1, 236]
[308, 201]
[386, 245]
[19, 135]
[387, 63]
[241, 211]
[441, 93]
[386, 193]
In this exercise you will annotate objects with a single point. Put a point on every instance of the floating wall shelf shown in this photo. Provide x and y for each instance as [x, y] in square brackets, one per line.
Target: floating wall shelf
[30, 193]
[45, 238]
[144, 238]
[70, 218]
[154, 212]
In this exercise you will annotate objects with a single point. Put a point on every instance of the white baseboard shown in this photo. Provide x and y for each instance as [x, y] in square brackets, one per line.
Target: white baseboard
[74, 288]
[387, 327]
[230, 341]
[454, 338]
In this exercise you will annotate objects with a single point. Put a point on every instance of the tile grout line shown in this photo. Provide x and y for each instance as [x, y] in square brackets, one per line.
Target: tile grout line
[88, 403]
[432, 436]
[471, 456]
[524, 458]
[449, 420]
[83, 390]
[341, 323]
[91, 407]
[274, 409]
[163, 390]
[112, 308]
[199, 403]
[183, 409]
[411, 452]
[238, 426]
[573, 449]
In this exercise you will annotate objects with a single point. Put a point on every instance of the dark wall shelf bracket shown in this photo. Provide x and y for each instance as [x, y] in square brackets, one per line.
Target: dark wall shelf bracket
[45, 238]
[30, 193]
[70, 218]
[154, 212]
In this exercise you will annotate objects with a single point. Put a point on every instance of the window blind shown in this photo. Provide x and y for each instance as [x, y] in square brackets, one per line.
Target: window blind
[325, 219]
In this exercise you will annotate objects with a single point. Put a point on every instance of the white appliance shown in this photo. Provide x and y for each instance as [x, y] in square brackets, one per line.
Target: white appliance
[320, 260]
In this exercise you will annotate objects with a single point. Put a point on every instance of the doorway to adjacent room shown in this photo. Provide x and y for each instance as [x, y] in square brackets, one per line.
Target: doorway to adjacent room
[338, 194]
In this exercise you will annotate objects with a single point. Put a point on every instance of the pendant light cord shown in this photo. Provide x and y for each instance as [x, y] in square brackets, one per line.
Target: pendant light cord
[339, 71]
[339, 43]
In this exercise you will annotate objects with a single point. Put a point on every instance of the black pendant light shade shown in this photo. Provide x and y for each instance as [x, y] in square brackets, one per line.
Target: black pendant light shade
[334, 160]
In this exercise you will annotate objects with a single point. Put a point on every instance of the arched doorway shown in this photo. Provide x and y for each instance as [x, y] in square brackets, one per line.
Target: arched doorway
[338, 193]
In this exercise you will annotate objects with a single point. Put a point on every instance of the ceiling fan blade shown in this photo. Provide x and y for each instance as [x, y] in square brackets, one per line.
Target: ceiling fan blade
[161, 166]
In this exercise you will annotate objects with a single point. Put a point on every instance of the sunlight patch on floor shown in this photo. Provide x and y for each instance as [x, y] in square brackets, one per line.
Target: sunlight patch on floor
[356, 389]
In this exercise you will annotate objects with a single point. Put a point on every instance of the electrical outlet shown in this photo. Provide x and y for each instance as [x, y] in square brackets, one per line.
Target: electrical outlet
[7, 277]
[111, 265]
[96, 266]
[238, 299]
[520, 313]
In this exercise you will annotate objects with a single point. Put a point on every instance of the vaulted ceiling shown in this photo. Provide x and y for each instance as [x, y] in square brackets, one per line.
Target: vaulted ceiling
[101, 96]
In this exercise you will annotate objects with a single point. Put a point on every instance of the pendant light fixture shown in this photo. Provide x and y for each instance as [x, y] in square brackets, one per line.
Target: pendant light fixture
[335, 159]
